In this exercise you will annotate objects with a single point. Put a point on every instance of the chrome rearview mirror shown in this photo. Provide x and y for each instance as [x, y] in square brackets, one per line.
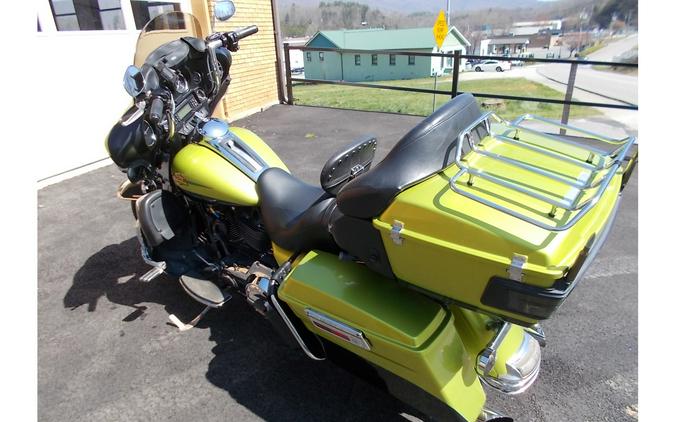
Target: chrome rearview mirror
[134, 82]
[224, 10]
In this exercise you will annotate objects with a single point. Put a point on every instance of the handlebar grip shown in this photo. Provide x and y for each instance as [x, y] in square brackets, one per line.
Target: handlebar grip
[156, 110]
[245, 32]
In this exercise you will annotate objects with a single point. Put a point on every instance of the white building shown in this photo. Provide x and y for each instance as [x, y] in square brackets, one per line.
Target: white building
[504, 46]
[529, 28]
[296, 56]
[86, 45]
[453, 41]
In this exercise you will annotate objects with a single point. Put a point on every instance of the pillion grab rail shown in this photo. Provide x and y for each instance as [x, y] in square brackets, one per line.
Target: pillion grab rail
[598, 161]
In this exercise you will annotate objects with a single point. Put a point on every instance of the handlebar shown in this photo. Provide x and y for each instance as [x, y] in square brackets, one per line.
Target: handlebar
[231, 39]
[245, 32]
[156, 110]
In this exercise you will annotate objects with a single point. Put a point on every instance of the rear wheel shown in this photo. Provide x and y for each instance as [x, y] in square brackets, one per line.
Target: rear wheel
[499, 69]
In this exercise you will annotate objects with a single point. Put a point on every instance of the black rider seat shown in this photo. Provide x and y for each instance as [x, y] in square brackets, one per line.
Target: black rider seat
[301, 217]
[424, 151]
[296, 214]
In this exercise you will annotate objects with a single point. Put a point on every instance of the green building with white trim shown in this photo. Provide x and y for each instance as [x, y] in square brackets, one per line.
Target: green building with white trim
[330, 65]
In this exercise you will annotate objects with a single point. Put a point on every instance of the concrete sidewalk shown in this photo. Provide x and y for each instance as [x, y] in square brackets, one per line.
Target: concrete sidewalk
[105, 351]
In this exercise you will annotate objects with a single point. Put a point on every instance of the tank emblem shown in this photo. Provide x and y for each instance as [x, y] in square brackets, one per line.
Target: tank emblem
[180, 179]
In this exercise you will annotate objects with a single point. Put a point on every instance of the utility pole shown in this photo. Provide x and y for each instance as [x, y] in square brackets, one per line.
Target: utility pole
[447, 13]
[582, 16]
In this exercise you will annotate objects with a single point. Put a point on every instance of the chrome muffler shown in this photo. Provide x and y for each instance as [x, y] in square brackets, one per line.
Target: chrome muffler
[522, 368]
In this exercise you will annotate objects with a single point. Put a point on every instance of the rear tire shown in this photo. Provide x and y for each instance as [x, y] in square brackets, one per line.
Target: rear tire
[498, 69]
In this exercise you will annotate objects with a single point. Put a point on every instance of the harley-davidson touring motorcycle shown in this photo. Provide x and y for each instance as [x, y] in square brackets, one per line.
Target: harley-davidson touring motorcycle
[434, 267]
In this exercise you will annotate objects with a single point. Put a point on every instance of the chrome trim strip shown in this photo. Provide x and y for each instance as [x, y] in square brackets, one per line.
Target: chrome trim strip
[217, 133]
[356, 337]
[291, 327]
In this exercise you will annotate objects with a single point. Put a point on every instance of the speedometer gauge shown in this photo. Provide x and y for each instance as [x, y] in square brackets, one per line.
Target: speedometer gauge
[183, 111]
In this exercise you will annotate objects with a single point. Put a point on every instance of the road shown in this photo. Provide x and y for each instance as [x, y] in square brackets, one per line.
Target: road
[608, 84]
[618, 86]
[616, 123]
[614, 49]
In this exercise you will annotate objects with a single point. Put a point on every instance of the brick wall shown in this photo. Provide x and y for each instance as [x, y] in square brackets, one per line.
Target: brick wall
[253, 71]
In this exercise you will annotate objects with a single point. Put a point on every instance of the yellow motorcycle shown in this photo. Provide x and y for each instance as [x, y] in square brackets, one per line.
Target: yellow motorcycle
[434, 267]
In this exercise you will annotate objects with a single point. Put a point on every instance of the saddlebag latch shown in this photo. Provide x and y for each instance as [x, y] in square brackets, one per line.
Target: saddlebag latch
[515, 271]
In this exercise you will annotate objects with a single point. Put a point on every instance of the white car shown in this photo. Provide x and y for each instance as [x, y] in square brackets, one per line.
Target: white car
[492, 65]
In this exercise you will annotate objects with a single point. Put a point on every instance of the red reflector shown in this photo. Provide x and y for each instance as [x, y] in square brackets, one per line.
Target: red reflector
[332, 331]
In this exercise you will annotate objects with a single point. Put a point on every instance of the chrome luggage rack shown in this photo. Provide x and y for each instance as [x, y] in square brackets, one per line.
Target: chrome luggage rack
[597, 161]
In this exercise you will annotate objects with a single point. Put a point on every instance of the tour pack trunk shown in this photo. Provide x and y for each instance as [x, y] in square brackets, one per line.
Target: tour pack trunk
[511, 225]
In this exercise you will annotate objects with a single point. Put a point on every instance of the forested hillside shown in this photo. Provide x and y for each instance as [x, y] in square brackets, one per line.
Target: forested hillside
[305, 17]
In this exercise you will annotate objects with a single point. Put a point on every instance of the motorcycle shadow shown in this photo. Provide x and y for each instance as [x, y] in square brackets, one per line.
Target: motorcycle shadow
[250, 361]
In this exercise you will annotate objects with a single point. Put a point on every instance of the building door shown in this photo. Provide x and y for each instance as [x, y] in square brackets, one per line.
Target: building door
[87, 45]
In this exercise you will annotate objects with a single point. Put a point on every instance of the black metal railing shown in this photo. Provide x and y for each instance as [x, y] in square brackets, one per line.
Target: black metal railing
[457, 57]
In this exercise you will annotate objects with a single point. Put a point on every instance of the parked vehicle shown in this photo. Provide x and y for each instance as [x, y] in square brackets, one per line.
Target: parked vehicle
[434, 267]
[492, 66]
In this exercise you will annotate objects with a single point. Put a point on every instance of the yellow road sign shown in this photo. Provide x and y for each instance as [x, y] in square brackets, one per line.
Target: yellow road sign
[440, 29]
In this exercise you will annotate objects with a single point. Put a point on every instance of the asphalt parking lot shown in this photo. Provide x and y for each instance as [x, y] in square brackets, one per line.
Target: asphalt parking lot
[106, 352]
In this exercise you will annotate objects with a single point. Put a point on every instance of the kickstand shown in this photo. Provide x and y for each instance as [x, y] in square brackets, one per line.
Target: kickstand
[184, 327]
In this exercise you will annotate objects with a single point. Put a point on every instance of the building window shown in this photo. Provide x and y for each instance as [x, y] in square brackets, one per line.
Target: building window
[411, 60]
[147, 10]
[392, 60]
[85, 15]
[357, 60]
[373, 59]
[309, 56]
[320, 56]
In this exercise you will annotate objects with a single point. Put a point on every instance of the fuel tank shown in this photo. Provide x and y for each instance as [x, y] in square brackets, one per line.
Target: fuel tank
[224, 165]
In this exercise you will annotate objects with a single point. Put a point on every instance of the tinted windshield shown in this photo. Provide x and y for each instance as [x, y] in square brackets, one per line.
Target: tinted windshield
[163, 29]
